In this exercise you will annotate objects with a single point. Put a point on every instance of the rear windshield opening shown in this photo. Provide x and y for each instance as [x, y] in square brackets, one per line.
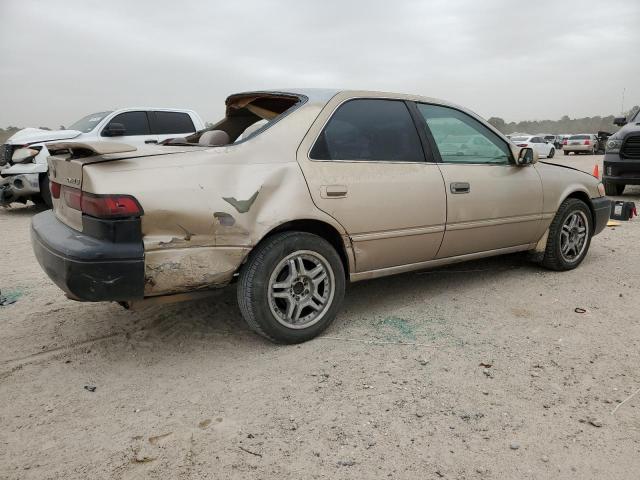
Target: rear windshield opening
[579, 137]
[246, 114]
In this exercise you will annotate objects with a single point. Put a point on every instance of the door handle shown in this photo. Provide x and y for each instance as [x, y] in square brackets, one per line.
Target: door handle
[333, 191]
[460, 187]
[151, 141]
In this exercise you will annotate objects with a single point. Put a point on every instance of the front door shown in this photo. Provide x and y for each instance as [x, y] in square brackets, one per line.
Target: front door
[136, 129]
[365, 166]
[491, 202]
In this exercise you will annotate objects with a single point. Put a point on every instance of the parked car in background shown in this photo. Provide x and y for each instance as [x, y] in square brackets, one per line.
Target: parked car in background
[622, 156]
[538, 143]
[23, 158]
[550, 138]
[563, 137]
[581, 143]
[335, 186]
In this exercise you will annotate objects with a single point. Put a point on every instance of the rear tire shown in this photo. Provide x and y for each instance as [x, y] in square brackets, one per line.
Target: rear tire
[612, 189]
[291, 287]
[565, 152]
[569, 236]
[551, 153]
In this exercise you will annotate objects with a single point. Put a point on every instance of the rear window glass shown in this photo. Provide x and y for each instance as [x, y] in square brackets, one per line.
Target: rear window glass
[163, 123]
[370, 129]
[519, 139]
[579, 137]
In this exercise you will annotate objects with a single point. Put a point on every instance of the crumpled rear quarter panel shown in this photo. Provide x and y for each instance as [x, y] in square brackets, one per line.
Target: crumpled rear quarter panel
[204, 210]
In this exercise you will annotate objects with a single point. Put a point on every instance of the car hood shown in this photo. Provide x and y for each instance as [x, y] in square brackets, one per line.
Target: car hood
[633, 127]
[567, 167]
[37, 135]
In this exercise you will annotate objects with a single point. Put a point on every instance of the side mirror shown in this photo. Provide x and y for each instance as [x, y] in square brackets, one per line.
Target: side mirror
[526, 157]
[114, 130]
[620, 121]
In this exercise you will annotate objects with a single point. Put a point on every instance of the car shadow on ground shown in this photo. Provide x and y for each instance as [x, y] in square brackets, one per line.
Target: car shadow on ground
[219, 317]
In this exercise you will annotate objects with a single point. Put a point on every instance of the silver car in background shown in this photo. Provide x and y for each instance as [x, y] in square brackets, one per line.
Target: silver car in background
[581, 143]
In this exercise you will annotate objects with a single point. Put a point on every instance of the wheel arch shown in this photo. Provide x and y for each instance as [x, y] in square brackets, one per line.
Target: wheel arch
[322, 229]
[583, 196]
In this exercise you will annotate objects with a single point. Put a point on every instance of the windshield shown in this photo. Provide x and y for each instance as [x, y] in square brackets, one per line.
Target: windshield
[88, 123]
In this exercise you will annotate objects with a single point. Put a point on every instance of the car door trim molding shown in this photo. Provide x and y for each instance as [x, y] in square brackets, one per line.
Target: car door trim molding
[383, 272]
[491, 222]
[364, 237]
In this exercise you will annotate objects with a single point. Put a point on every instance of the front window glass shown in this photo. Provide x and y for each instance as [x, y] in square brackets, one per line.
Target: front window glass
[134, 123]
[88, 123]
[462, 139]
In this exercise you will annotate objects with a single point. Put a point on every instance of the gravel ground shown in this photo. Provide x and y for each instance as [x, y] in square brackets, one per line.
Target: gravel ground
[481, 370]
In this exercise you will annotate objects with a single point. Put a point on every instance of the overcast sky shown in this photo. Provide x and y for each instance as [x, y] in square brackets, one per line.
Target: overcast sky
[60, 60]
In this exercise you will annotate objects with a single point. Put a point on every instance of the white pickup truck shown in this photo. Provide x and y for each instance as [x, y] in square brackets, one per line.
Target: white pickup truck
[23, 158]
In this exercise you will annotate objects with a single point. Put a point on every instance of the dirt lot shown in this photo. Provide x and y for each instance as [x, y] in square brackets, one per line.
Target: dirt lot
[501, 378]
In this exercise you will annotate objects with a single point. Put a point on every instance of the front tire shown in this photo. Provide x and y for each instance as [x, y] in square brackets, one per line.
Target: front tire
[565, 152]
[612, 189]
[569, 236]
[291, 287]
[552, 152]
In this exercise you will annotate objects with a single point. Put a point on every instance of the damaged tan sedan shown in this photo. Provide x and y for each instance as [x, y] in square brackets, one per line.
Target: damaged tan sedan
[294, 194]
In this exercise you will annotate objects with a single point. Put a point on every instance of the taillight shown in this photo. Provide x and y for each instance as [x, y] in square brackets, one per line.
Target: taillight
[54, 188]
[522, 145]
[110, 206]
[587, 142]
[72, 197]
[101, 206]
[564, 142]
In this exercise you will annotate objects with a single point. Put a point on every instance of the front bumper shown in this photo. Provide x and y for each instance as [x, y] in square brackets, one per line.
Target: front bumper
[601, 213]
[15, 187]
[621, 171]
[85, 267]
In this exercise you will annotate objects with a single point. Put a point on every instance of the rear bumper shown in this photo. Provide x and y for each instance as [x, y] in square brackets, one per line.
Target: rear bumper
[87, 268]
[577, 148]
[601, 213]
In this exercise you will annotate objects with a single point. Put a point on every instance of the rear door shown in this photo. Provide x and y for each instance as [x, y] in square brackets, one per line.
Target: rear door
[491, 202]
[170, 124]
[137, 129]
[364, 163]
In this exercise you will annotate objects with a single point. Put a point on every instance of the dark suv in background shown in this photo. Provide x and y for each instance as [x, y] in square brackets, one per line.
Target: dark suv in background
[622, 156]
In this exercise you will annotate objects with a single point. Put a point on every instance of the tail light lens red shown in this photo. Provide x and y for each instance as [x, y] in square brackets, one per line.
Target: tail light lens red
[101, 206]
[587, 142]
[564, 142]
[110, 206]
[54, 188]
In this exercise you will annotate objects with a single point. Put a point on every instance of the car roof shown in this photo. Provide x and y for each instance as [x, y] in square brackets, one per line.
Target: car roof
[152, 109]
[326, 94]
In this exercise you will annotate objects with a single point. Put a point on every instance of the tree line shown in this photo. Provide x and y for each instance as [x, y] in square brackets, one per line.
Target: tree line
[564, 125]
